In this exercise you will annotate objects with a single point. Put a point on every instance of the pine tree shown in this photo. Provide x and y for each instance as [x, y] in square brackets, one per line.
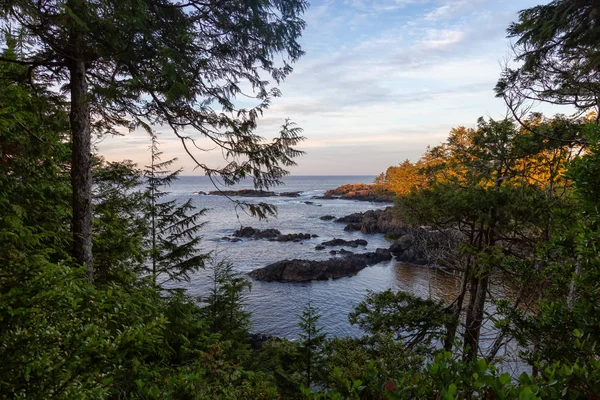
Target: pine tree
[174, 231]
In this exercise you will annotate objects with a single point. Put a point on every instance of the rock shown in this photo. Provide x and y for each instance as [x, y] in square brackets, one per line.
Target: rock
[249, 232]
[327, 217]
[352, 228]
[319, 247]
[344, 252]
[308, 270]
[243, 192]
[342, 242]
[374, 221]
[235, 240]
[227, 238]
[383, 254]
[359, 191]
[200, 192]
[333, 252]
[351, 219]
[406, 250]
[290, 194]
[294, 237]
[309, 202]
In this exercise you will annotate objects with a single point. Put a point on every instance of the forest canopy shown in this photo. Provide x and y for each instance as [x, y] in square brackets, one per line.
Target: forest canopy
[92, 251]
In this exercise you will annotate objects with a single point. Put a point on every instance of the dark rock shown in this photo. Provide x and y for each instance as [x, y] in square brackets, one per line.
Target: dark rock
[351, 219]
[293, 237]
[290, 194]
[352, 228]
[342, 242]
[334, 252]
[308, 270]
[235, 240]
[383, 254]
[319, 247]
[249, 232]
[313, 235]
[244, 193]
[226, 238]
[309, 202]
[374, 221]
[406, 250]
[344, 252]
[200, 192]
[327, 217]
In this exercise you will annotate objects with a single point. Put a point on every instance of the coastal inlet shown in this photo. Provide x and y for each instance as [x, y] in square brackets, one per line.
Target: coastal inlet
[276, 305]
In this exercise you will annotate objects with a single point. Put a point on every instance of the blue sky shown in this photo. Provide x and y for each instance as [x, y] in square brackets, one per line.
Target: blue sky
[381, 80]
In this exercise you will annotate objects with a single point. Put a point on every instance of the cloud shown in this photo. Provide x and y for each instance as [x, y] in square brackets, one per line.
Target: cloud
[381, 80]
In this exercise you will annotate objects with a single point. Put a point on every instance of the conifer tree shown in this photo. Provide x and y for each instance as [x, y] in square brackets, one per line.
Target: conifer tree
[312, 340]
[174, 231]
[163, 62]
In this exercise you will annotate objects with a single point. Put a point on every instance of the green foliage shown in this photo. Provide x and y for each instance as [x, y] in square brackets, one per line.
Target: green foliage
[162, 63]
[407, 318]
[63, 338]
[225, 302]
[556, 46]
[173, 236]
[312, 340]
[119, 225]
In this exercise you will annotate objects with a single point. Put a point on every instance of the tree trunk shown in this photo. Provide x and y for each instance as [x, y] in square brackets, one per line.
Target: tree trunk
[457, 309]
[81, 166]
[475, 315]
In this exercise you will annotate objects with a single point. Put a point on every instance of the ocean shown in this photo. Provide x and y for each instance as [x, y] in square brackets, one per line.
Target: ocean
[275, 306]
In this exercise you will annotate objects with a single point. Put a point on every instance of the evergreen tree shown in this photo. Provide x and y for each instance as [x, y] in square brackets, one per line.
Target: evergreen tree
[174, 229]
[165, 62]
[120, 226]
[225, 302]
[557, 51]
[312, 340]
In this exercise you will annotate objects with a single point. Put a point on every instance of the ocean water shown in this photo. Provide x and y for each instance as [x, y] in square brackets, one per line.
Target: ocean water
[275, 306]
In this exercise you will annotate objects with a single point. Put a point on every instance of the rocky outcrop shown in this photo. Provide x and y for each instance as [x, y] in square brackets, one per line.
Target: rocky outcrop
[249, 232]
[327, 218]
[308, 270]
[406, 249]
[342, 242]
[271, 234]
[359, 191]
[295, 237]
[290, 194]
[243, 193]
[251, 193]
[374, 221]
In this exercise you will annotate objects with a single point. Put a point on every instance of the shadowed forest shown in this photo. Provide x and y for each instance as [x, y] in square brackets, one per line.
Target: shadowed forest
[92, 252]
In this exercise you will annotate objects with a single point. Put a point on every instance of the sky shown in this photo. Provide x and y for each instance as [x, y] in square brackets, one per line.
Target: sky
[381, 80]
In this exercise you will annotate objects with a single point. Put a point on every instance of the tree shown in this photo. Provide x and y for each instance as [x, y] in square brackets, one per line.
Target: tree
[120, 226]
[482, 187]
[175, 63]
[557, 50]
[173, 236]
[225, 302]
[312, 340]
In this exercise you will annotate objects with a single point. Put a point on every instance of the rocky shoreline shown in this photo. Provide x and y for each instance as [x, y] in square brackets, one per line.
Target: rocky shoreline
[309, 270]
[406, 246]
[360, 192]
[357, 191]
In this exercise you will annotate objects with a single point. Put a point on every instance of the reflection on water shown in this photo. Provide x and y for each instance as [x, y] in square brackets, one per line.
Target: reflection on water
[427, 282]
